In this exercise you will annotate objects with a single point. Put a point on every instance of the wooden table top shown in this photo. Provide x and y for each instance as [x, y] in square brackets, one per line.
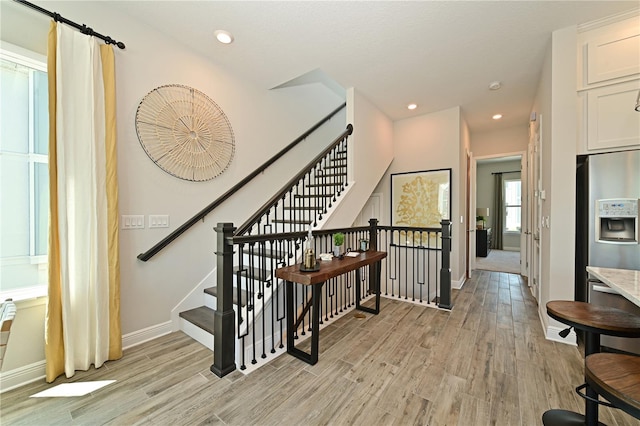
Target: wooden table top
[329, 268]
[595, 318]
[617, 378]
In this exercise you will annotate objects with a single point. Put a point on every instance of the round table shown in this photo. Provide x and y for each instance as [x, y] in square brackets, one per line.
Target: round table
[594, 320]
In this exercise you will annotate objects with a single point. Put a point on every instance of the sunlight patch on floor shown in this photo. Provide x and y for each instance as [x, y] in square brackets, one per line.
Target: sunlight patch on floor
[72, 389]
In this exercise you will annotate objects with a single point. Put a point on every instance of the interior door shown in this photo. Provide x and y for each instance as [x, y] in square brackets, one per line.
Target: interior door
[471, 214]
[536, 208]
[524, 178]
[469, 220]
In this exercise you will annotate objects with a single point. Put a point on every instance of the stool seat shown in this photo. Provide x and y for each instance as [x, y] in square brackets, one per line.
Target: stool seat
[594, 318]
[617, 378]
[564, 418]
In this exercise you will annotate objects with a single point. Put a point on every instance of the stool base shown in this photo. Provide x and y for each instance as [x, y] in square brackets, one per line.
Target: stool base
[564, 418]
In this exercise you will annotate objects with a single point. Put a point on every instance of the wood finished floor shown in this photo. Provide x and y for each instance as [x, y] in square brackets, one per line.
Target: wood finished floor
[484, 363]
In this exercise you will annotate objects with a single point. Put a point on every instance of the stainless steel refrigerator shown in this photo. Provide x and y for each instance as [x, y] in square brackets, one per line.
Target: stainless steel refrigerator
[607, 229]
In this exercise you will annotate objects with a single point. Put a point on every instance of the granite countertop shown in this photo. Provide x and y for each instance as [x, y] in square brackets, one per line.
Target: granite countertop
[624, 281]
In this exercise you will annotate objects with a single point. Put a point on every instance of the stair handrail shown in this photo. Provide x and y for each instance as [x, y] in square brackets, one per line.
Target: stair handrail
[242, 229]
[208, 209]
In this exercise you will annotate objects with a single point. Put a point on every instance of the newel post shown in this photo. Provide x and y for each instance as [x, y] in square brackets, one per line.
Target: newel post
[224, 339]
[445, 272]
[373, 234]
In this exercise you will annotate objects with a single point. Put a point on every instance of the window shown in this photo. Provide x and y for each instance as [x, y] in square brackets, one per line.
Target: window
[512, 203]
[24, 175]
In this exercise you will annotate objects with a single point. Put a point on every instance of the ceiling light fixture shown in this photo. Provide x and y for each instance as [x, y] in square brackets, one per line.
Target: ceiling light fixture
[412, 106]
[223, 36]
[495, 85]
[497, 116]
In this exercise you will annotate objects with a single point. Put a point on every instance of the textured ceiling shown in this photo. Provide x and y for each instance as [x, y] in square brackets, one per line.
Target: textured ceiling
[438, 54]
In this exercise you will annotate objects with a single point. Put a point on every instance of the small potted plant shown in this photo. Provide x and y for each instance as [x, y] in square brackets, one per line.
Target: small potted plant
[338, 241]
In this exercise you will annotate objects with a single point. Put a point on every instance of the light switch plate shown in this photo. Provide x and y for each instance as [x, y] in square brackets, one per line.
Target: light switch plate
[158, 221]
[132, 221]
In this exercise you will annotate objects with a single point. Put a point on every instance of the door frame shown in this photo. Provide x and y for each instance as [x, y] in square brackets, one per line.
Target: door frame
[524, 188]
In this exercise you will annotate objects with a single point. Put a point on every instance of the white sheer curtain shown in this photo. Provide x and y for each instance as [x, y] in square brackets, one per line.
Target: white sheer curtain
[83, 217]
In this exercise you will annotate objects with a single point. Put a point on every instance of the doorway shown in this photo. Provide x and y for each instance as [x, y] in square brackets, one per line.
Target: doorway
[500, 202]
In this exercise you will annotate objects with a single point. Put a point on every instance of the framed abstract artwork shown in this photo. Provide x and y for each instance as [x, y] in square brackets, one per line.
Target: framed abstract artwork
[420, 199]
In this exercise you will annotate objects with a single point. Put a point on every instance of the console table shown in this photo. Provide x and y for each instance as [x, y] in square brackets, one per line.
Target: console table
[328, 269]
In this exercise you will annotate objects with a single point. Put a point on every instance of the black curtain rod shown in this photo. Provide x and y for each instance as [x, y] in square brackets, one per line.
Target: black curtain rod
[83, 28]
[512, 171]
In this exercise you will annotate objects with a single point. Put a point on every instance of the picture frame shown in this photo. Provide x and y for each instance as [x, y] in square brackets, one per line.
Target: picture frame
[420, 199]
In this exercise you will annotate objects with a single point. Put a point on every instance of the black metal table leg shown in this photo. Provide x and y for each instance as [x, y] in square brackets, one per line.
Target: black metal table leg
[316, 293]
[374, 285]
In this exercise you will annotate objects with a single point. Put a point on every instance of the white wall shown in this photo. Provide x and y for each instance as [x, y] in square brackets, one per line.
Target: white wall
[371, 151]
[431, 141]
[501, 141]
[556, 102]
[263, 122]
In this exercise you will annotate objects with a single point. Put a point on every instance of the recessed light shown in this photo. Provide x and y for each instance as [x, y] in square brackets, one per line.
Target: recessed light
[497, 116]
[223, 36]
[412, 106]
[495, 85]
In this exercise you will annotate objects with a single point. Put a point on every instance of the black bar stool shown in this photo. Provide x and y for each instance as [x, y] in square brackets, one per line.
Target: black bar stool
[594, 320]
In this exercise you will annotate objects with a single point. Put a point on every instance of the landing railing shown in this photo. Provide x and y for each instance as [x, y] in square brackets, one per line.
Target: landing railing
[416, 270]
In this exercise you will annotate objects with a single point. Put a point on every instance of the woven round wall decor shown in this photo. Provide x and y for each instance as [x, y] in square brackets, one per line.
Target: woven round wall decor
[185, 133]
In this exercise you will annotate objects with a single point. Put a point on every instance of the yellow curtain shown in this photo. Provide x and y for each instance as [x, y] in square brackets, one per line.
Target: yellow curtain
[109, 75]
[54, 328]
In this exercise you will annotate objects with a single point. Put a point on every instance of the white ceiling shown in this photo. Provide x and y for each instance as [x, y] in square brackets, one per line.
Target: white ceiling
[438, 54]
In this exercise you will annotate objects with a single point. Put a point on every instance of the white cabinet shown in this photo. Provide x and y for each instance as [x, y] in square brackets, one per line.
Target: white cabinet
[613, 57]
[612, 121]
[608, 85]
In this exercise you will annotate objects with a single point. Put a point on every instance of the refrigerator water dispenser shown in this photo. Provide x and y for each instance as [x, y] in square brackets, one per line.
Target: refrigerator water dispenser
[617, 221]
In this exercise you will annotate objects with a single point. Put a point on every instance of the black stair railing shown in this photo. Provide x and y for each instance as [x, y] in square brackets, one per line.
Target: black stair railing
[208, 209]
[417, 270]
[304, 200]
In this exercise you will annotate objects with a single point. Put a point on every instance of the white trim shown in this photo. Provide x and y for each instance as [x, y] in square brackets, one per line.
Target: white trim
[193, 299]
[592, 25]
[23, 56]
[141, 336]
[21, 376]
[457, 284]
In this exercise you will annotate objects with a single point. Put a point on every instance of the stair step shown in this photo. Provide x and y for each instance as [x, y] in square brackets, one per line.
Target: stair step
[273, 254]
[213, 291]
[305, 208]
[255, 273]
[203, 317]
[314, 196]
[330, 175]
[320, 185]
[293, 221]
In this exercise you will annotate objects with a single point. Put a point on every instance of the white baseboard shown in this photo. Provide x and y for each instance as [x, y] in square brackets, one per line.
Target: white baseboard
[30, 373]
[22, 376]
[457, 284]
[146, 334]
